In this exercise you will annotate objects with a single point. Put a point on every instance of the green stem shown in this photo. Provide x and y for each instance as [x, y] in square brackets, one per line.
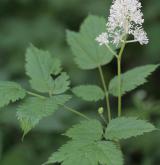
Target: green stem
[66, 107]
[104, 120]
[119, 88]
[36, 95]
[106, 92]
[76, 112]
[110, 49]
[119, 79]
[131, 41]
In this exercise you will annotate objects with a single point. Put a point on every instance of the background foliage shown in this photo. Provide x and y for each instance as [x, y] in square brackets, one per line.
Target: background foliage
[43, 23]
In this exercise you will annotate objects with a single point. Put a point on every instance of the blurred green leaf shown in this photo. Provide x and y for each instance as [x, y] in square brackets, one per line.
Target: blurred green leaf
[17, 156]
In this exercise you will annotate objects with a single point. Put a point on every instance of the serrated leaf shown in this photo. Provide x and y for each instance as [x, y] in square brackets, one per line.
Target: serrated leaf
[131, 79]
[111, 154]
[61, 83]
[78, 153]
[62, 99]
[87, 130]
[56, 67]
[87, 148]
[41, 68]
[123, 128]
[66, 150]
[34, 109]
[88, 54]
[10, 92]
[89, 92]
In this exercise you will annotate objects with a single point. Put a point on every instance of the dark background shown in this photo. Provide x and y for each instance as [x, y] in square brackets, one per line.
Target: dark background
[43, 23]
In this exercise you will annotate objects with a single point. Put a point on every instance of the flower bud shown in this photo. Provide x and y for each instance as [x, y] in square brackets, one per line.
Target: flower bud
[100, 110]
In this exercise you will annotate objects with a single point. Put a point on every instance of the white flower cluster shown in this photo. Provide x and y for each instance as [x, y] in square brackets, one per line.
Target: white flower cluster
[102, 39]
[125, 18]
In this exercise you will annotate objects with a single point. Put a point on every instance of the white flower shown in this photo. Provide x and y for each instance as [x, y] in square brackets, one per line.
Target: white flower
[102, 39]
[141, 36]
[125, 18]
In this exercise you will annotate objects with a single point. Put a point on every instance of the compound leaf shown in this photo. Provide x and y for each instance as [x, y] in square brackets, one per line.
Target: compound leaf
[77, 153]
[88, 54]
[34, 109]
[10, 92]
[131, 79]
[89, 92]
[87, 149]
[41, 68]
[123, 128]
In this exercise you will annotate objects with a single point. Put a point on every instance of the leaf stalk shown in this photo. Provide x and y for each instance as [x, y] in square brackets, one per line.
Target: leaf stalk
[66, 107]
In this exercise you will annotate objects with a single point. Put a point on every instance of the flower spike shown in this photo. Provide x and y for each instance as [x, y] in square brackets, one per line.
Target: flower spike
[125, 18]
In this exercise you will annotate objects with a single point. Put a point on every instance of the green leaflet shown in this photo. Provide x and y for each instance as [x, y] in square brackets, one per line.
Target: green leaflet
[62, 99]
[34, 109]
[126, 127]
[10, 92]
[87, 150]
[69, 150]
[131, 79]
[40, 66]
[61, 83]
[86, 131]
[88, 54]
[110, 153]
[78, 153]
[89, 92]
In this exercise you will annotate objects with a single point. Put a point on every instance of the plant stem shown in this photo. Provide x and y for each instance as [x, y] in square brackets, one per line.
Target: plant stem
[36, 95]
[106, 92]
[119, 88]
[66, 107]
[119, 79]
[131, 41]
[104, 120]
[76, 112]
[112, 51]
